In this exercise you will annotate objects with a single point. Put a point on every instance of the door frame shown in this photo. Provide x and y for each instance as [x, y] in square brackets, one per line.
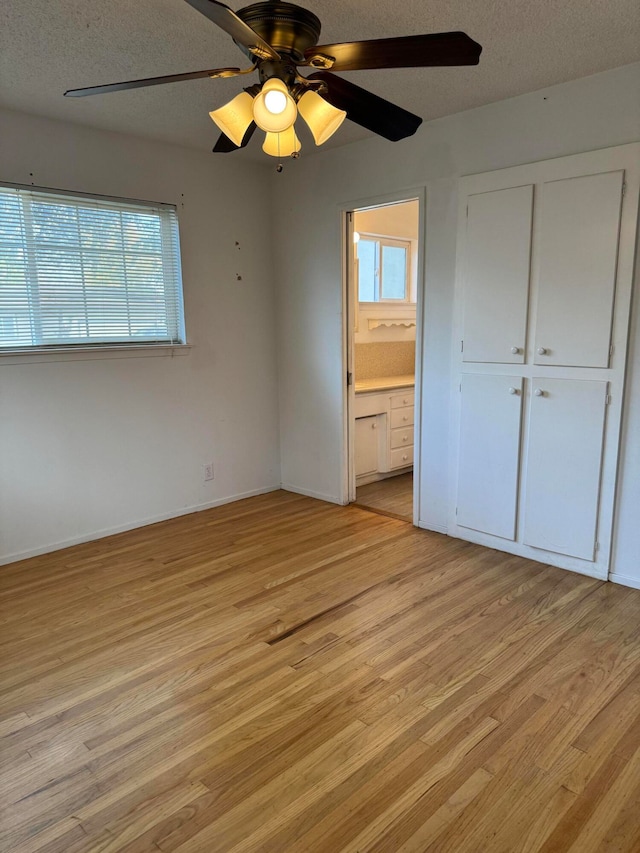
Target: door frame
[346, 211]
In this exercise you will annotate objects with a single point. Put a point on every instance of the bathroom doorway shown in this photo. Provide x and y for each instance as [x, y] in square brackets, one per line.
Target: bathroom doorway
[382, 286]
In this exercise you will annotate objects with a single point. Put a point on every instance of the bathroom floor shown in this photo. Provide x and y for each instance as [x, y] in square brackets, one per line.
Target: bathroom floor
[393, 496]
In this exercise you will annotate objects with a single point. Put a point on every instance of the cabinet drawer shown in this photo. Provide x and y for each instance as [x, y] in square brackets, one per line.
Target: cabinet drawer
[371, 404]
[402, 417]
[399, 400]
[401, 457]
[402, 437]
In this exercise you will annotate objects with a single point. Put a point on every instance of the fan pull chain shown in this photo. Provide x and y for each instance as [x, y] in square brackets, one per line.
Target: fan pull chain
[279, 167]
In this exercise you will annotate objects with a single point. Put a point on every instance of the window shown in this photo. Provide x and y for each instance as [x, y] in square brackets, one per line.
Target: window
[383, 269]
[79, 270]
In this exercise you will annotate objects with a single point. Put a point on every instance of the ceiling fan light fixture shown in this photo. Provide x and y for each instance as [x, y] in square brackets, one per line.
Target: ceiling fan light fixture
[280, 37]
[282, 144]
[274, 110]
[323, 118]
[234, 118]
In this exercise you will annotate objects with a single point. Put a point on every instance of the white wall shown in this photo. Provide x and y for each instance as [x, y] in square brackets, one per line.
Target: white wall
[391, 220]
[88, 446]
[583, 115]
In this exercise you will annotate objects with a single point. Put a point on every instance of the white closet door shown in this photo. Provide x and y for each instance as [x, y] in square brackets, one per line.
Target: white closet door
[578, 253]
[489, 453]
[496, 282]
[564, 458]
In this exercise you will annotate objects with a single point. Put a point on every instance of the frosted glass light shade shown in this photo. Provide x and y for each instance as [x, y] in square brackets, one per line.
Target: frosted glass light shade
[264, 107]
[281, 144]
[323, 118]
[234, 118]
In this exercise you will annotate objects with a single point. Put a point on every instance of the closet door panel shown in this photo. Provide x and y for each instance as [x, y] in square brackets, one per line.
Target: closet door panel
[496, 279]
[564, 459]
[578, 252]
[489, 453]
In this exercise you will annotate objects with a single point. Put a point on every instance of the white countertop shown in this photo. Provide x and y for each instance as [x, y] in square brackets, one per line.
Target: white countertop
[385, 383]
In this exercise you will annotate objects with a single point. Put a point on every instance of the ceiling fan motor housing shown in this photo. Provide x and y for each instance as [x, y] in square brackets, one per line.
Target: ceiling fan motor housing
[288, 28]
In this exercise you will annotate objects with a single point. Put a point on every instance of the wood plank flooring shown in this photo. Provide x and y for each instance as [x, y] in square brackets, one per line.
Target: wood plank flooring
[285, 675]
[392, 496]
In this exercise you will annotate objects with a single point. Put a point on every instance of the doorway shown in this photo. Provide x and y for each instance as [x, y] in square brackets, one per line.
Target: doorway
[383, 261]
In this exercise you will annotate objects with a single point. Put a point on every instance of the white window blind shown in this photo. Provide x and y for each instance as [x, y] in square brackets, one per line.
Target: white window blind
[77, 270]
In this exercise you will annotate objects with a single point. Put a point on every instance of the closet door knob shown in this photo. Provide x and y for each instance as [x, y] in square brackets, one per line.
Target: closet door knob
[539, 392]
[374, 425]
[513, 390]
[515, 350]
[542, 351]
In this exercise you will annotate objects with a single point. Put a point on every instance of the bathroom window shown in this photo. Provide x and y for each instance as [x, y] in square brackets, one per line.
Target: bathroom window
[383, 269]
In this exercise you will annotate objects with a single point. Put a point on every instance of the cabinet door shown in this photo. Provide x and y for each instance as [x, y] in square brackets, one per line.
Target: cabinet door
[366, 445]
[564, 458]
[496, 280]
[578, 253]
[489, 453]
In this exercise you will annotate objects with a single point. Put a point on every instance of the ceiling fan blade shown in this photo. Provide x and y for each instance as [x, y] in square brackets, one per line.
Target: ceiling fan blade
[152, 81]
[224, 145]
[404, 52]
[240, 32]
[368, 110]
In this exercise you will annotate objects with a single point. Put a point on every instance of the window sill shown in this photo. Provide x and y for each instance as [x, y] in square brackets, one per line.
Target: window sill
[89, 353]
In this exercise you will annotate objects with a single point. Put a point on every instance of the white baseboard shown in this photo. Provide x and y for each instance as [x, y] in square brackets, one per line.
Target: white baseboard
[122, 528]
[435, 528]
[624, 580]
[309, 493]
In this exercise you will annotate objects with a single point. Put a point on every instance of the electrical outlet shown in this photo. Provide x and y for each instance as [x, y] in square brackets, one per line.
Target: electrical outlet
[208, 472]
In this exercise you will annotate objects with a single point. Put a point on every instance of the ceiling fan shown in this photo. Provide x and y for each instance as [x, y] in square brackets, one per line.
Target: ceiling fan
[279, 38]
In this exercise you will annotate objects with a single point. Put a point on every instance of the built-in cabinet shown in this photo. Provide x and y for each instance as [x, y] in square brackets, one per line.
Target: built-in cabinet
[490, 419]
[367, 445]
[383, 438]
[545, 260]
[564, 464]
[576, 258]
[497, 267]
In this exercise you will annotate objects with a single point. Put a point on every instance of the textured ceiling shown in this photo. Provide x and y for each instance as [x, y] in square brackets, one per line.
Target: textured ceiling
[46, 48]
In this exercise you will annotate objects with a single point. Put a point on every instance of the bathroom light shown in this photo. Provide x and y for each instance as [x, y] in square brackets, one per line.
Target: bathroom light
[323, 118]
[234, 118]
[274, 110]
[282, 144]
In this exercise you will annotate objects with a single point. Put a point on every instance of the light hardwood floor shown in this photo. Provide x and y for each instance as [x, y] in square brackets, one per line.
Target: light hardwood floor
[291, 676]
[393, 496]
